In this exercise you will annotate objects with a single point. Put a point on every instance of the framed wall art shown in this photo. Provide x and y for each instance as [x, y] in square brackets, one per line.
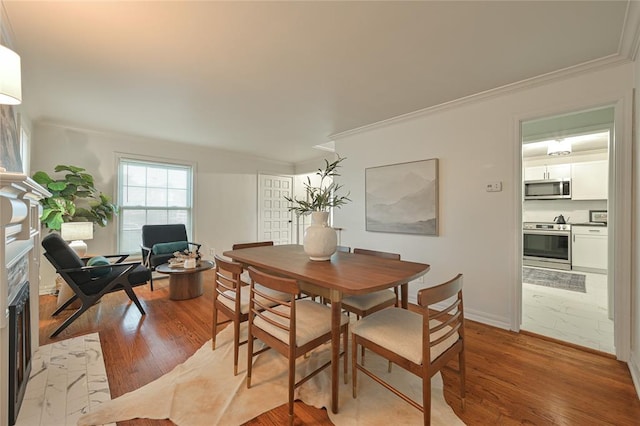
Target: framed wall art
[9, 141]
[403, 198]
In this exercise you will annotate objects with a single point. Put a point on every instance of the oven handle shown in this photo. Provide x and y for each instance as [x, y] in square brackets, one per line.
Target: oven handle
[546, 232]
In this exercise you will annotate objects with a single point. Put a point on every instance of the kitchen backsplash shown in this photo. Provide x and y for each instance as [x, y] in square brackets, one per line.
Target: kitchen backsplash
[573, 211]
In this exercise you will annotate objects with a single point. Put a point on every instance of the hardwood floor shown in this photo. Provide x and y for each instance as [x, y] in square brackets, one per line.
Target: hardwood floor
[512, 379]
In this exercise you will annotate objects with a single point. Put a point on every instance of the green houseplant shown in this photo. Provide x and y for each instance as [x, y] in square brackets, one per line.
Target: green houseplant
[320, 240]
[74, 199]
[322, 197]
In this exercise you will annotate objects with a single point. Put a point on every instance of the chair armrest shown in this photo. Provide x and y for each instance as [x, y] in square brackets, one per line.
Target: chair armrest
[122, 257]
[89, 268]
[195, 244]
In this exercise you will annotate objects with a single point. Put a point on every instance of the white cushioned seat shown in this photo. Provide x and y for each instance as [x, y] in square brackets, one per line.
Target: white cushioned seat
[244, 298]
[400, 331]
[312, 320]
[369, 300]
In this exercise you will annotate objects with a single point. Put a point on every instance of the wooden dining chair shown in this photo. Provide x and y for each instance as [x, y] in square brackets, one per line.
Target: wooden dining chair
[365, 304]
[420, 342]
[292, 328]
[230, 299]
[238, 246]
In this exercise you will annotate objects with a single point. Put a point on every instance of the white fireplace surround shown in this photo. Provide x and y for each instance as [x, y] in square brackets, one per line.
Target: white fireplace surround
[20, 238]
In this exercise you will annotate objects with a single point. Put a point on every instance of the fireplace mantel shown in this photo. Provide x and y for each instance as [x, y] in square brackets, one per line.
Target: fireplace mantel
[19, 244]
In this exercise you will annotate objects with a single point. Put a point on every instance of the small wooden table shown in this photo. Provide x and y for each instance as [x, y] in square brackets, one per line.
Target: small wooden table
[185, 283]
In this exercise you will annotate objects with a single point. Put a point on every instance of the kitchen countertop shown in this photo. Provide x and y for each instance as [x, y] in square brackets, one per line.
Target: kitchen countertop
[589, 224]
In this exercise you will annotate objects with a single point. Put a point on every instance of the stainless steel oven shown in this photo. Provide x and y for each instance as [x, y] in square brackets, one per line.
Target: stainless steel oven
[547, 245]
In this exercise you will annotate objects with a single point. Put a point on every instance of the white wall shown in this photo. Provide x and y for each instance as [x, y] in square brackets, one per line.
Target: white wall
[226, 183]
[476, 142]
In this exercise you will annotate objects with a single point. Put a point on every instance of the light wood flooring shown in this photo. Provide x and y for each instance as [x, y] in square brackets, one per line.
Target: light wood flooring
[512, 379]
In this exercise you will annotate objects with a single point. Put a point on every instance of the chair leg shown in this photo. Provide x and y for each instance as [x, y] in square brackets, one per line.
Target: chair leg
[292, 384]
[134, 298]
[236, 344]
[345, 345]
[426, 399]
[65, 305]
[249, 356]
[214, 331]
[151, 279]
[85, 305]
[354, 361]
[463, 372]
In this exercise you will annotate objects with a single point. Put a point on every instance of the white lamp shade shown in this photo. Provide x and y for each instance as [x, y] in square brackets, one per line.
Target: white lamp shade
[559, 147]
[10, 80]
[71, 231]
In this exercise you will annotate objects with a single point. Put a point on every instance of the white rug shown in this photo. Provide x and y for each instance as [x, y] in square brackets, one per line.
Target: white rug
[67, 380]
[203, 391]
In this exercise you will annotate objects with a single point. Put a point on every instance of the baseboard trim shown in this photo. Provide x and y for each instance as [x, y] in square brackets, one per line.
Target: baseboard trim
[634, 368]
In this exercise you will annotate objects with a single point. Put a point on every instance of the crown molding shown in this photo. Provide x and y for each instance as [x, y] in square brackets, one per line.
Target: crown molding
[562, 74]
[630, 36]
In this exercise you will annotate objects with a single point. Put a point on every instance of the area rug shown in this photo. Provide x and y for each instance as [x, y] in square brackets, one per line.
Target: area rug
[67, 380]
[204, 391]
[555, 279]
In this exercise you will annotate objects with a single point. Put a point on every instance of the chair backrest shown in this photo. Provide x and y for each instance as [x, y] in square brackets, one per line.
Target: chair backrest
[451, 316]
[384, 254]
[258, 302]
[343, 249]
[227, 283]
[61, 256]
[239, 246]
[154, 234]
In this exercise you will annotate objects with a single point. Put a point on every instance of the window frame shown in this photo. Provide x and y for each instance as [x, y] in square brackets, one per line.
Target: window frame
[159, 161]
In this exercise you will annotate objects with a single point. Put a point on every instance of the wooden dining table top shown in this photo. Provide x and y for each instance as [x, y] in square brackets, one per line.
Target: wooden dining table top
[348, 273]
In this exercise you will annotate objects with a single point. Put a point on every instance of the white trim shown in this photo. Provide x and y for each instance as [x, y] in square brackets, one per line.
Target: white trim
[620, 190]
[630, 37]
[563, 74]
[123, 156]
[634, 369]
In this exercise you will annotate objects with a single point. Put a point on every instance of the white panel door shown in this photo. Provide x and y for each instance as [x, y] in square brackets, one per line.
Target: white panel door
[274, 219]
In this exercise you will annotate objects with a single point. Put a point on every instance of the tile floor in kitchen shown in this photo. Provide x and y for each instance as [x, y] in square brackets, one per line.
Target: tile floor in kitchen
[579, 318]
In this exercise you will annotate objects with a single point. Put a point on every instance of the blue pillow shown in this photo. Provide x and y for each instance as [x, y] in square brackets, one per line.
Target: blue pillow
[169, 248]
[99, 261]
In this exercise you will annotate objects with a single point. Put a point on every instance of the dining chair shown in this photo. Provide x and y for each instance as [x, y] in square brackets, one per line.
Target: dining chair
[291, 328]
[238, 246]
[365, 304]
[230, 299]
[421, 342]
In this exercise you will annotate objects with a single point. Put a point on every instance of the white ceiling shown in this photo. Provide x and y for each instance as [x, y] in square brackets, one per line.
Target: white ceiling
[276, 78]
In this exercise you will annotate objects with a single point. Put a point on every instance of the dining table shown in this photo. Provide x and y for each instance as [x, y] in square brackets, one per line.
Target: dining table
[342, 275]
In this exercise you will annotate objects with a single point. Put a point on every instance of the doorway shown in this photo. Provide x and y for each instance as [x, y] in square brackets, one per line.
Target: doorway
[565, 288]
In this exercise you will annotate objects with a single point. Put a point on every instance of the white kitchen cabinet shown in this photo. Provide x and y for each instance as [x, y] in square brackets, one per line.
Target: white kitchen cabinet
[589, 248]
[548, 171]
[590, 180]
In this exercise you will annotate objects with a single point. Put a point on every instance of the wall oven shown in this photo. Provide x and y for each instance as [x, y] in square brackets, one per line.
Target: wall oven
[547, 245]
[548, 189]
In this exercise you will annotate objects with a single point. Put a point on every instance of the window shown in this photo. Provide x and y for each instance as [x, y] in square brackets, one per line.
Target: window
[151, 193]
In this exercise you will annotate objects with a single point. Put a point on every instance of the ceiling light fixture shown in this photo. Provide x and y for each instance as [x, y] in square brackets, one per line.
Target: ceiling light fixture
[10, 80]
[559, 147]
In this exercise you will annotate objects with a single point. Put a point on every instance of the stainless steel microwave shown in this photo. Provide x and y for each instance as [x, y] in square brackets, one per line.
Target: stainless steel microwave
[547, 189]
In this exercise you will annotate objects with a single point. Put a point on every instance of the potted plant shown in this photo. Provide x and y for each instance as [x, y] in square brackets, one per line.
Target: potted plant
[74, 199]
[320, 240]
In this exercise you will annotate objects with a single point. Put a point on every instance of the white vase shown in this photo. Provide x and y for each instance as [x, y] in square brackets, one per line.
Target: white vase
[320, 240]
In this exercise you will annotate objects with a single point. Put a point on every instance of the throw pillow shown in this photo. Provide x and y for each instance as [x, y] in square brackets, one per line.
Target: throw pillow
[169, 248]
[99, 261]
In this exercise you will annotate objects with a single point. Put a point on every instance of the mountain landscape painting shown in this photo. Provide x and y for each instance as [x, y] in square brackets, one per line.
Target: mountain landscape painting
[403, 198]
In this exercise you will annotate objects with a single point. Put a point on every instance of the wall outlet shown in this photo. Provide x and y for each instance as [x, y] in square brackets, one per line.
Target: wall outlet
[212, 252]
[494, 187]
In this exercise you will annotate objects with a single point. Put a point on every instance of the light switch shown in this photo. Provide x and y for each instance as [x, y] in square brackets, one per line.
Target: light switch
[494, 187]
